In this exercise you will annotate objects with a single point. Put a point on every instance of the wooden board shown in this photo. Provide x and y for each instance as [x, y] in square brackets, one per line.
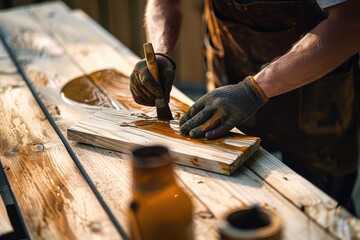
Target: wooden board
[54, 199]
[5, 224]
[121, 130]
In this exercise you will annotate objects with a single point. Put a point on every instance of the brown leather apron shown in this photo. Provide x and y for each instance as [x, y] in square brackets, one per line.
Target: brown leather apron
[316, 124]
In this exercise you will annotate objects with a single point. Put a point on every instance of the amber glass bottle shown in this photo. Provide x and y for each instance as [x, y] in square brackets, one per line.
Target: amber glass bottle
[160, 209]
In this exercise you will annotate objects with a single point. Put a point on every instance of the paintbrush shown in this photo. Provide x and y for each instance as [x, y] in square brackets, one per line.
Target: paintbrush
[162, 106]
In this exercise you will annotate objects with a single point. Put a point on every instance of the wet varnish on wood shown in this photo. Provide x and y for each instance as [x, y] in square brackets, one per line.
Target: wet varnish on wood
[124, 130]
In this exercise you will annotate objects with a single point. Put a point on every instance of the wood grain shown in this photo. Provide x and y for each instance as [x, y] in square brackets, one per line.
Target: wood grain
[53, 197]
[123, 131]
[67, 34]
[5, 224]
[62, 32]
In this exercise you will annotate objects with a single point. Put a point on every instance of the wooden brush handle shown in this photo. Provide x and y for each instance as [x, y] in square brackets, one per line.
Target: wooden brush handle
[151, 61]
[162, 106]
[154, 70]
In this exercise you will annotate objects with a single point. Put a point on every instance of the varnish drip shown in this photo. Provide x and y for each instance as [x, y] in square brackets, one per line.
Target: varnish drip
[110, 88]
[171, 129]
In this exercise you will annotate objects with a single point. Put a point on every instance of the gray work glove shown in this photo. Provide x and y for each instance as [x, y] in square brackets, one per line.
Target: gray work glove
[220, 110]
[143, 86]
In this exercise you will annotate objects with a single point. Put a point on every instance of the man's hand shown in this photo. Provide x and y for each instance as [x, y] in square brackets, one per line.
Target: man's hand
[220, 110]
[143, 86]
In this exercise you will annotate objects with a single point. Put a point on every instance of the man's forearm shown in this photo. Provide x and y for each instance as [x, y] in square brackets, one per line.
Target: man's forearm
[162, 23]
[320, 51]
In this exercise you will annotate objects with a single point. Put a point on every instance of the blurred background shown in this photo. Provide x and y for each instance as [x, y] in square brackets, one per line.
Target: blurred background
[124, 19]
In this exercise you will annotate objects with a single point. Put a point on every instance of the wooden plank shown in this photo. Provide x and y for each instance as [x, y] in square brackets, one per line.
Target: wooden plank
[121, 130]
[222, 193]
[62, 34]
[49, 70]
[53, 197]
[316, 204]
[5, 224]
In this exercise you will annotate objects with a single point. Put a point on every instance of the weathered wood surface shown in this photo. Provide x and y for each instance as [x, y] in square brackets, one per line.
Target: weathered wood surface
[121, 130]
[60, 46]
[5, 224]
[53, 197]
[63, 33]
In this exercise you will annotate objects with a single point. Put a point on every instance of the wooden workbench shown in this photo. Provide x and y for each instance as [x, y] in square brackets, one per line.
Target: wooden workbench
[68, 190]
